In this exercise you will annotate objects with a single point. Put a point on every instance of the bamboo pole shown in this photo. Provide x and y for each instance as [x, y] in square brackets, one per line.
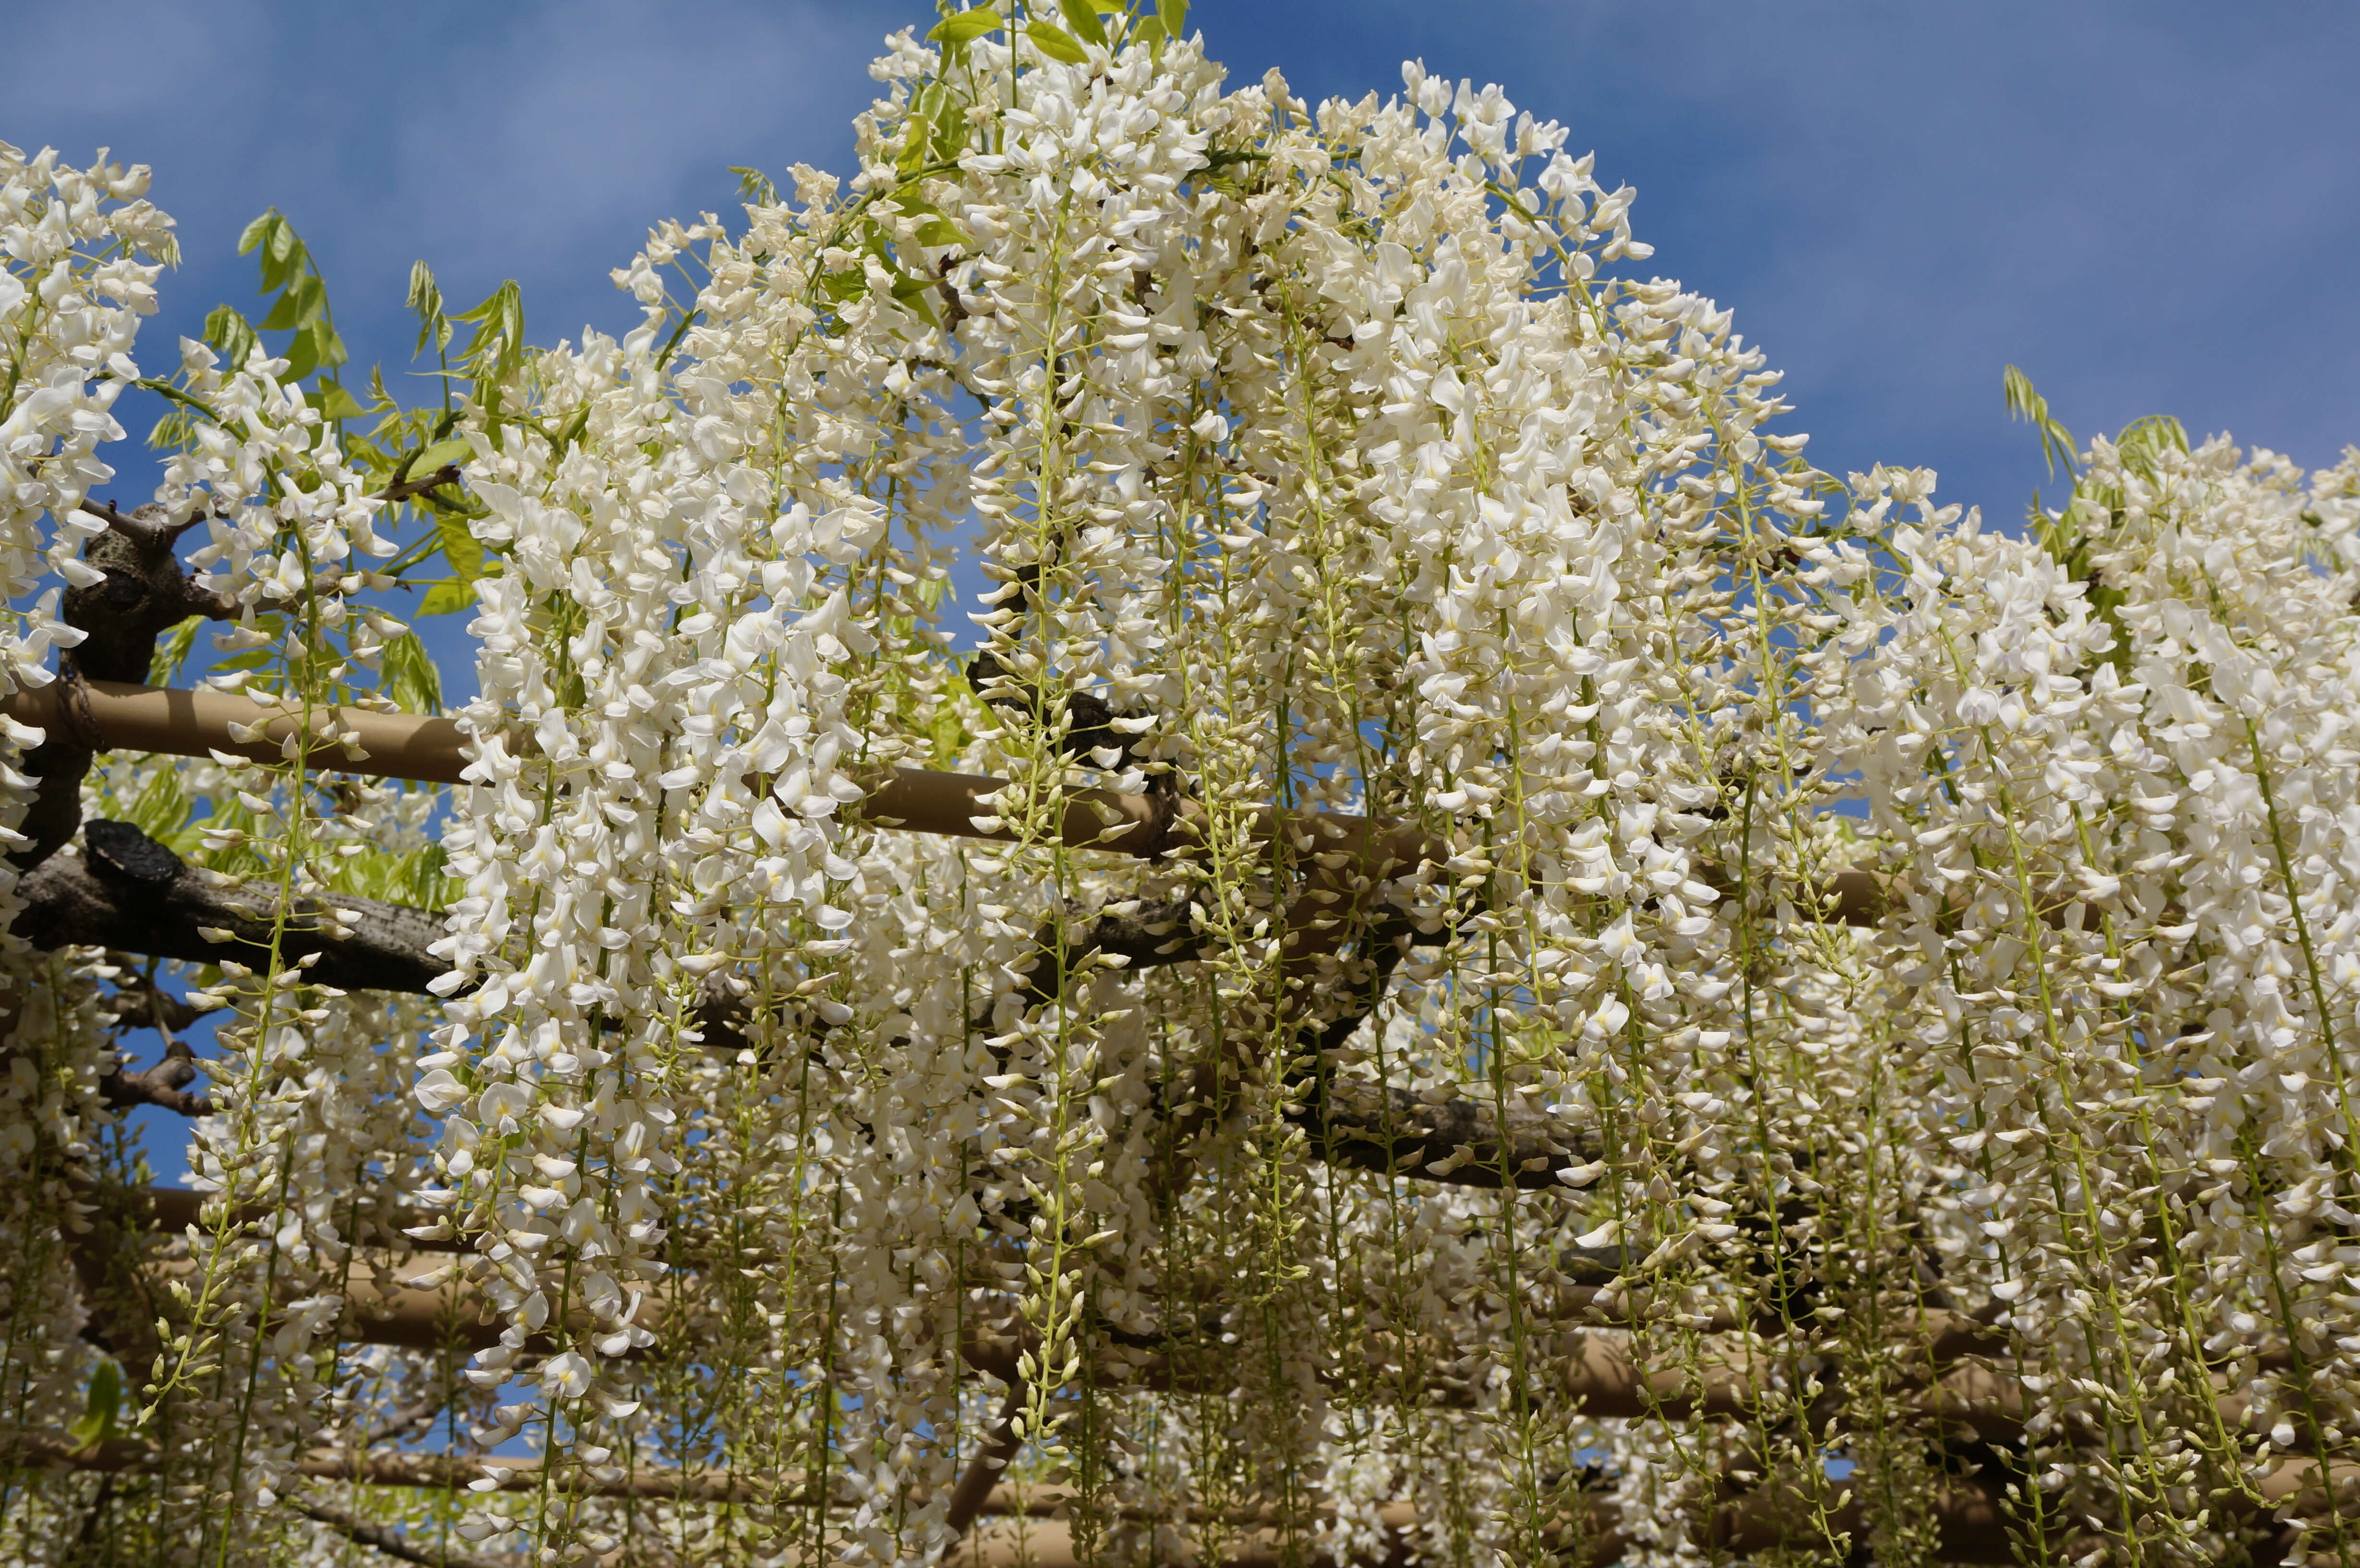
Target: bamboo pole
[1605, 1379]
[1032, 1524]
[113, 715]
[421, 1303]
[1970, 1520]
[119, 716]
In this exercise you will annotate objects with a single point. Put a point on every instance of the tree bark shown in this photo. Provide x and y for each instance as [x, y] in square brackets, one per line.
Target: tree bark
[127, 892]
[142, 593]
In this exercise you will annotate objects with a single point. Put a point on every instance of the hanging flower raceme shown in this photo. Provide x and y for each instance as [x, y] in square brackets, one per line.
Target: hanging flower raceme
[80, 252]
[1318, 470]
[2086, 753]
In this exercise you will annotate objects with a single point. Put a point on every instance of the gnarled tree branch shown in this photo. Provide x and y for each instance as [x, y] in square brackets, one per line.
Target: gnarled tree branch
[166, 1084]
[393, 1542]
[141, 593]
[126, 890]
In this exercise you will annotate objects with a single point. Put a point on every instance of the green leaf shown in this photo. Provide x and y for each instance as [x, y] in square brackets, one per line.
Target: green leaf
[162, 809]
[252, 658]
[755, 187]
[298, 306]
[916, 294]
[302, 356]
[941, 232]
[441, 453]
[966, 26]
[497, 347]
[282, 252]
[334, 402]
[2142, 440]
[232, 335]
[426, 884]
[172, 651]
[1173, 14]
[408, 676]
[1054, 42]
[1150, 32]
[849, 285]
[462, 548]
[448, 599]
[571, 431]
[1083, 18]
[301, 307]
[937, 131]
[2023, 403]
[921, 129]
[950, 133]
[100, 1407]
[380, 400]
[426, 300]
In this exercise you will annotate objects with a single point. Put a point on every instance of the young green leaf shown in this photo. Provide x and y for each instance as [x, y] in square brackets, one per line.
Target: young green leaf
[460, 548]
[2023, 403]
[282, 253]
[334, 402]
[295, 307]
[916, 294]
[100, 1407]
[232, 335]
[1054, 42]
[409, 675]
[161, 811]
[422, 880]
[447, 599]
[426, 300]
[1082, 18]
[441, 453]
[755, 187]
[2144, 439]
[922, 105]
[950, 133]
[498, 346]
[252, 658]
[1173, 14]
[301, 307]
[380, 401]
[172, 651]
[966, 26]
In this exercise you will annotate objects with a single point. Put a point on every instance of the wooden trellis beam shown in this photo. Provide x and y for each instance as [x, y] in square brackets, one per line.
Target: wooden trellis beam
[1031, 1523]
[421, 1303]
[121, 716]
[1032, 1528]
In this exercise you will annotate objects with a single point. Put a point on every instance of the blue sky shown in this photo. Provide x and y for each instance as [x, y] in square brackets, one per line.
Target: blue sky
[2152, 207]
